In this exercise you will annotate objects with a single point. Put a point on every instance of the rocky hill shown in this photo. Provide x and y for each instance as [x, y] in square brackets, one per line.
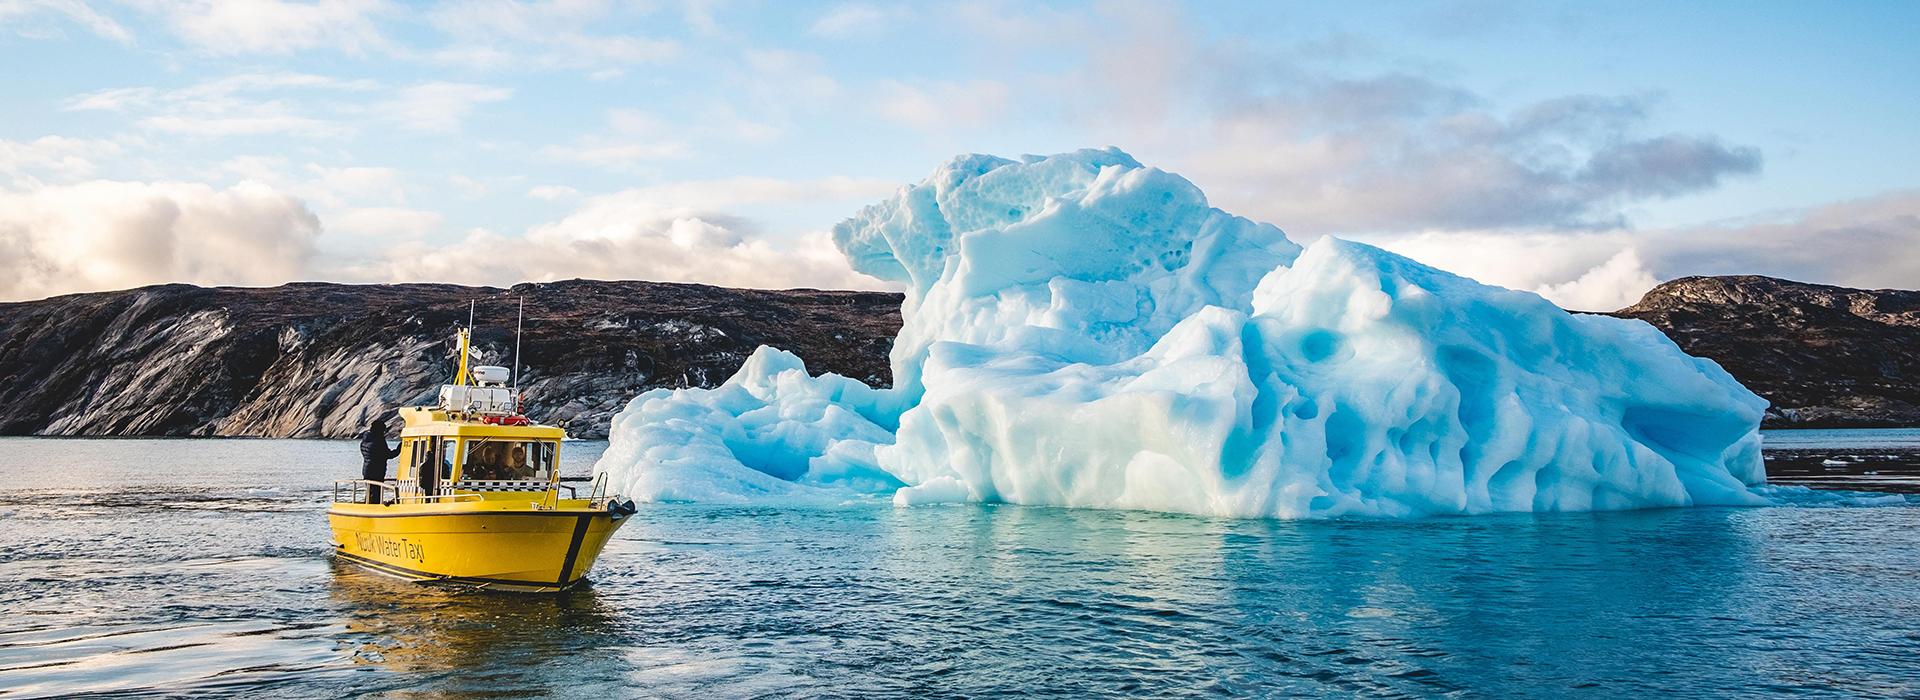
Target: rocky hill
[320, 360]
[1827, 357]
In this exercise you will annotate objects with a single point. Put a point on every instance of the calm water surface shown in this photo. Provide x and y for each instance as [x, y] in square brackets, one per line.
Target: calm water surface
[1850, 439]
[1867, 459]
[200, 567]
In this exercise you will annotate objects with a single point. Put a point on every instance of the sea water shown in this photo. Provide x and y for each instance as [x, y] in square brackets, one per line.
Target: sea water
[200, 567]
[1906, 439]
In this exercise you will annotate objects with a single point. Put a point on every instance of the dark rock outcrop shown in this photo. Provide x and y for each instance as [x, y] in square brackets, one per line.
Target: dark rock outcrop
[1827, 357]
[320, 360]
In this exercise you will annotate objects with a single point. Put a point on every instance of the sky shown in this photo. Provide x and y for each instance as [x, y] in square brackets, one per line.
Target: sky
[1586, 151]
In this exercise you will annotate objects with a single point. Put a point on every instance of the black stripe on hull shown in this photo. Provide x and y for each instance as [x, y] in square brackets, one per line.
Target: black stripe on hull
[424, 577]
[573, 548]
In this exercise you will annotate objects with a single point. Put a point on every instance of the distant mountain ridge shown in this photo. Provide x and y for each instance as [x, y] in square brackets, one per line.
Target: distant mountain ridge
[1827, 357]
[319, 359]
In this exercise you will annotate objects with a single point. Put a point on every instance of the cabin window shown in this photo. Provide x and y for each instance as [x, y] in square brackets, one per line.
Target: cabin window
[441, 453]
[490, 459]
[419, 455]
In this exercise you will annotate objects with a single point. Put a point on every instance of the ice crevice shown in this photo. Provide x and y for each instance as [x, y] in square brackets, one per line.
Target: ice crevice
[1082, 330]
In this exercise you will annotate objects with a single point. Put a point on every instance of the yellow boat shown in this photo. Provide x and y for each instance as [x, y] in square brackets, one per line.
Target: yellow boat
[477, 499]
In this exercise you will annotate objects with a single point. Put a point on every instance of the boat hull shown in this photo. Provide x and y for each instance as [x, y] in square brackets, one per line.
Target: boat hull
[537, 550]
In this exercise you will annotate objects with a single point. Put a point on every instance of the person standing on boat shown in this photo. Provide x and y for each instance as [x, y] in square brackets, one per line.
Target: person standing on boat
[374, 454]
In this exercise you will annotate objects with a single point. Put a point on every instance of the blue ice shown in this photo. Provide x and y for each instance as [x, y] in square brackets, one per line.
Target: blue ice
[1082, 330]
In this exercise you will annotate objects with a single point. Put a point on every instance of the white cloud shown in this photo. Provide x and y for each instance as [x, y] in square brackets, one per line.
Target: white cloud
[334, 185]
[542, 34]
[480, 187]
[1399, 153]
[1864, 243]
[1580, 271]
[1871, 242]
[621, 48]
[102, 235]
[720, 194]
[267, 169]
[269, 118]
[617, 241]
[256, 82]
[723, 120]
[679, 232]
[386, 222]
[944, 106]
[699, 16]
[615, 155]
[553, 193]
[856, 19]
[1317, 141]
[272, 103]
[1019, 24]
[331, 188]
[108, 235]
[1614, 284]
[67, 158]
[439, 106]
[625, 151]
[12, 12]
[782, 80]
[227, 27]
[231, 27]
[634, 121]
[229, 106]
[113, 100]
[1518, 261]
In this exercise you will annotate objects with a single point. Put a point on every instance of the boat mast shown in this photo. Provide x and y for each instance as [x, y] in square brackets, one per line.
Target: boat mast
[465, 335]
[518, 323]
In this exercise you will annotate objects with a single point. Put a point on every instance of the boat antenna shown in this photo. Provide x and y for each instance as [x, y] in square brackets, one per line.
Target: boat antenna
[518, 323]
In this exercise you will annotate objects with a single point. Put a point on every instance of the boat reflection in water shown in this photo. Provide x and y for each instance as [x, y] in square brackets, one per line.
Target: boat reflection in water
[452, 642]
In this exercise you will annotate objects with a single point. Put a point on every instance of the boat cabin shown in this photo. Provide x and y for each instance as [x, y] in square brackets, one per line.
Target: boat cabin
[472, 445]
[445, 454]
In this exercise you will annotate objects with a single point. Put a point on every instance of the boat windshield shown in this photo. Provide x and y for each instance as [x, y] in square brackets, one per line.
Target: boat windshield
[493, 459]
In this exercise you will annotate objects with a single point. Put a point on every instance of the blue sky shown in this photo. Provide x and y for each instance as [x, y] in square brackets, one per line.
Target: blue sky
[1578, 149]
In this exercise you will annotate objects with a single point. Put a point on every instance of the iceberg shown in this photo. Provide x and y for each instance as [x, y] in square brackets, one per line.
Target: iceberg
[1081, 330]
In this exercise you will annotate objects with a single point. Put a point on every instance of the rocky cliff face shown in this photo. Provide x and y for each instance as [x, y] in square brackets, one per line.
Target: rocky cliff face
[1827, 357]
[321, 360]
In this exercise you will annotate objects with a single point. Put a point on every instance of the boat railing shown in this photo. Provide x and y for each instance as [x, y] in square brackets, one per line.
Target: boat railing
[597, 498]
[356, 490]
[551, 500]
[595, 492]
[392, 491]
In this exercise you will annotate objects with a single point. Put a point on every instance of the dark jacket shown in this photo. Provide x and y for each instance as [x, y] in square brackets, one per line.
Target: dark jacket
[374, 452]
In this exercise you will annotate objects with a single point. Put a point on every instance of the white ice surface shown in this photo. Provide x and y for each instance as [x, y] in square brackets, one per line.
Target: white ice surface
[1084, 331]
